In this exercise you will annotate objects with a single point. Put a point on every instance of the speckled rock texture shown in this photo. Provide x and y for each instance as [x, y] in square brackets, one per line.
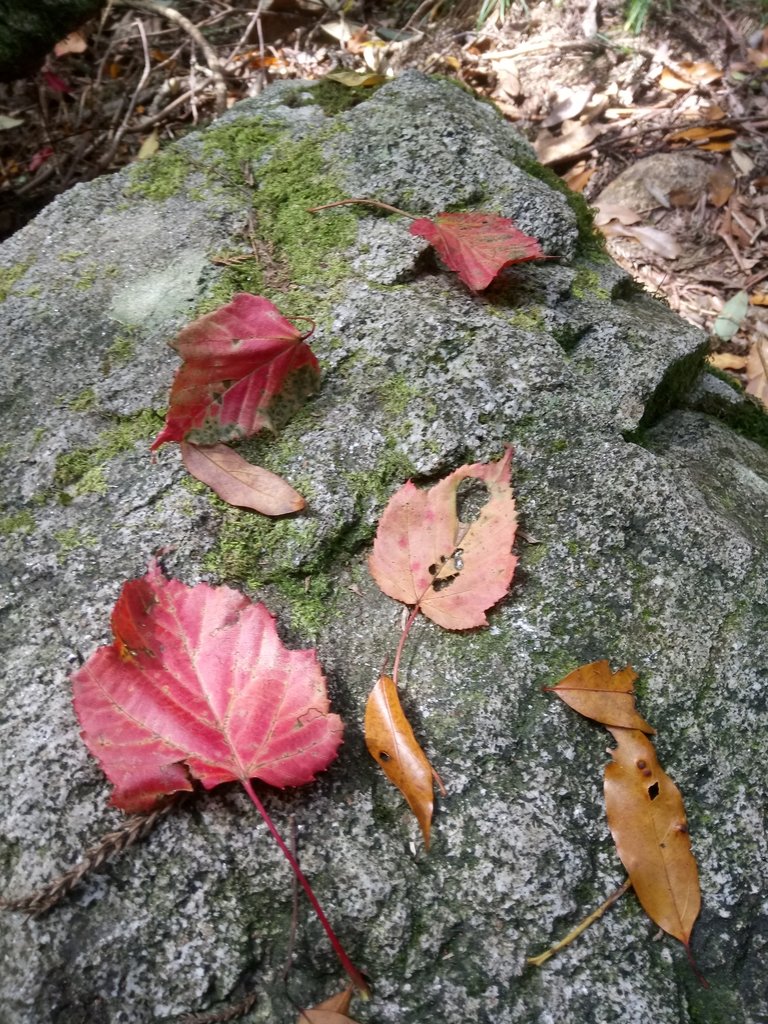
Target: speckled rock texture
[645, 542]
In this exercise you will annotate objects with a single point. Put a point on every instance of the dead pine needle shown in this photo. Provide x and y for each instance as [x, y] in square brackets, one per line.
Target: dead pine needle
[537, 961]
[132, 831]
[228, 1013]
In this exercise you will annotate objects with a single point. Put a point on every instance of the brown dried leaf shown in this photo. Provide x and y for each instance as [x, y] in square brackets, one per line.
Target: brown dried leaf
[392, 744]
[569, 103]
[607, 212]
[334, 1010]
[73, 43]
[701, 133]
[578, 177]
[238, 482]
[691, 74]
[720, 186]
[575, 137]
[647, 820]
[757, 372]
[660, 242]
[727, 361]
[606, 697]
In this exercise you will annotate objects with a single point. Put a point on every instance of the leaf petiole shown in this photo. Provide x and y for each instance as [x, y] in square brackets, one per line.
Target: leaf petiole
[346, 963]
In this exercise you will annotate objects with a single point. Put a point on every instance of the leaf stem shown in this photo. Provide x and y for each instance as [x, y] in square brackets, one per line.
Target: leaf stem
[346, 963]
[404, 636]
[363, 202]
[574, 933]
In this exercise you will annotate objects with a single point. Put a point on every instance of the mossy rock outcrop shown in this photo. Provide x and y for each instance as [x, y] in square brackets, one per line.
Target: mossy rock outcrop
[644, 506]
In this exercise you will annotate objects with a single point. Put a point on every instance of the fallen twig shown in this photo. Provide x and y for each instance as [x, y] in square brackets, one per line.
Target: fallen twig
[214, 65]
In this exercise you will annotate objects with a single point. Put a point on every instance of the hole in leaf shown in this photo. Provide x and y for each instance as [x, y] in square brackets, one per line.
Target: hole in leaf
[471, 496]
[384, 756]
[439, 585]
[433, 569]
[653, 790]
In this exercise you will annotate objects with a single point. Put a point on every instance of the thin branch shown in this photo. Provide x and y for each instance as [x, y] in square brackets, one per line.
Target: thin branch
[171, 14]
[574, 933]
[132, 831]
[106, 159]
[363, 202]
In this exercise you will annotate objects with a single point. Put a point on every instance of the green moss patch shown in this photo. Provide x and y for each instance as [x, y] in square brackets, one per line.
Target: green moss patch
[17, 522]
[311, 246]
[587, 285]
[747, 417]
[162, 176]
[9, 276]
[84, 401]
[334, 98]
[671, 391]
[81, 471]
[232, 148]
[287, 554]
[121, 351]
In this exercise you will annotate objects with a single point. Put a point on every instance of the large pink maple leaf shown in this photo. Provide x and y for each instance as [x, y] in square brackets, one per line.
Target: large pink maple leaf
[197, 683]
[243, 364]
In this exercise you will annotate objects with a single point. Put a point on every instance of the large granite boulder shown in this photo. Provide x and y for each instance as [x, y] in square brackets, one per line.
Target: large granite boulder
[644, 505]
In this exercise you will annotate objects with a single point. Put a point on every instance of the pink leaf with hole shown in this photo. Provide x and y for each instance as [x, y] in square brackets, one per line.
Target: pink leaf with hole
[424, 554]
[245, 368]
[477, 245]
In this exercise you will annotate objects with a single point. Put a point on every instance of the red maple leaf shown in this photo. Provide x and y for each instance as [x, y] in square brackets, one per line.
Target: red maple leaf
[477, 245]
[240, 363]
[197, 683]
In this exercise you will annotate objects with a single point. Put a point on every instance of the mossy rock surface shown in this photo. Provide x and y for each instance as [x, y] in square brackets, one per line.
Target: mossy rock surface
[644, 507]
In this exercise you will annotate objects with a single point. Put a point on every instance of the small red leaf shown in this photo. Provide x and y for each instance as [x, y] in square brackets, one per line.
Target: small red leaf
[39, 158]
[240, 363]
[477, 245]
[239, 482]
[56, 82]
[198, 683]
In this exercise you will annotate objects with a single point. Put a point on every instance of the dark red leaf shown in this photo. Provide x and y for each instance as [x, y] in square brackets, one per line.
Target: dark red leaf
[241, 363]
[477, 245]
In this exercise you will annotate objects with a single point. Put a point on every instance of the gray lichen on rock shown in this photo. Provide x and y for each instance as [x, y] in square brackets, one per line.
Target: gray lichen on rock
[650, 551]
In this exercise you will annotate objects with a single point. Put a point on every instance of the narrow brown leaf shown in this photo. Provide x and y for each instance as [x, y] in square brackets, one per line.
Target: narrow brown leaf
[238, 482]
[319, 1016]
[647, 820]
[597, 693]
[391, 742]
[757, 372]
